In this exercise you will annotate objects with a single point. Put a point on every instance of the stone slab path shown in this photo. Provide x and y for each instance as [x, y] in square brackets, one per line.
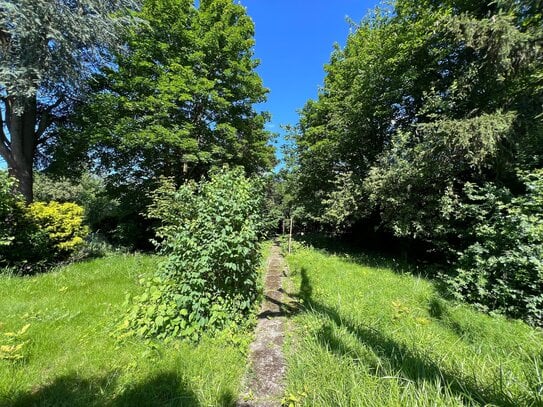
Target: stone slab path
[264, 384]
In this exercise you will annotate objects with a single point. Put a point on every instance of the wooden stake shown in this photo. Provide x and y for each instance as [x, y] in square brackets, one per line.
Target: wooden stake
[290, 237]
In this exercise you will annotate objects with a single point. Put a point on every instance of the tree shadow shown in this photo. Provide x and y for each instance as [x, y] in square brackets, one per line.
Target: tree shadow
[284, 307]
[373, 257]
[411, 364]
[166, 389]
[439, 310]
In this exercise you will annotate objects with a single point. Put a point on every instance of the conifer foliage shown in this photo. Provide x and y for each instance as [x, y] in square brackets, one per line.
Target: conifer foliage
[48, 49]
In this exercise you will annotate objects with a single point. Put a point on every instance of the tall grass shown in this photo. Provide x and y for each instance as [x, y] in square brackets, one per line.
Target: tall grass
[72, 353]
[368, 335]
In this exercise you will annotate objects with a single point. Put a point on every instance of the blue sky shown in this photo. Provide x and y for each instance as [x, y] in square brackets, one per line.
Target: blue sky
[294, 39]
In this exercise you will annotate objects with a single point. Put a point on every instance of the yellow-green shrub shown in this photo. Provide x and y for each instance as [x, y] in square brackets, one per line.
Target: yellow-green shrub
[63, 223]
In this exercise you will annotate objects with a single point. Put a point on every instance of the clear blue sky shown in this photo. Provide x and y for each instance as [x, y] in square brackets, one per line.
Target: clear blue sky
[294, 39]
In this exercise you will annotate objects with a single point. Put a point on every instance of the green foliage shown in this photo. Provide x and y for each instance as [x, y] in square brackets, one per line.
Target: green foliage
[423, 98]
[63, 223]
[23, 244]
[179, 101]
[210, 234]
[411, 179]
[48, 49]
[33, 237]
[426, 99]
[33, 59]
[503, 270]
[341, 206]
[8, 207]
[88, 191]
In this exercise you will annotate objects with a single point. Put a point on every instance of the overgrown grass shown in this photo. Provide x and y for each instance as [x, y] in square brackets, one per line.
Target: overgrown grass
[73, 355]
[377, 336]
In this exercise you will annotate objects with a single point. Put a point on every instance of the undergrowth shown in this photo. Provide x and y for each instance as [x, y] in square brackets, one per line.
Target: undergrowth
[59, 344]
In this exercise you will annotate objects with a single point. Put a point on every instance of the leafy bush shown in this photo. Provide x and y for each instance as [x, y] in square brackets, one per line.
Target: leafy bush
[210, 233]
[89, 191]
[63, 223]
[503, 269]
[96, 245]
[8, 208]
[35, 236]
[23, 245]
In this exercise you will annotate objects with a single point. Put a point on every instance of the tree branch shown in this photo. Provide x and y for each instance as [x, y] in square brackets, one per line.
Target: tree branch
[46, 119]
[7, 107]
[44, 123]
[3, 139]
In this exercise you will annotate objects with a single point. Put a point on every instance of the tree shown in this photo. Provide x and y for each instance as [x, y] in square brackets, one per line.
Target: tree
[422, 100]
[47, 51]
[180, 100]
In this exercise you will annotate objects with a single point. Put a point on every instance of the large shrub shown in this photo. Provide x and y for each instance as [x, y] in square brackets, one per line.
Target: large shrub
[36, 236]
[8, 207]
[63, 223]
[503, 269]
[23, 244]
[210, 234]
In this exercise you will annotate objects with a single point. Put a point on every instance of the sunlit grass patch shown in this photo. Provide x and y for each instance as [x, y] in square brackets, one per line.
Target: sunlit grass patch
[72, 354]
[370, 336]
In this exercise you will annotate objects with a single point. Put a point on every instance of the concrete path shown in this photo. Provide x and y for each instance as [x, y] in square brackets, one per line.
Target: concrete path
[264, 384]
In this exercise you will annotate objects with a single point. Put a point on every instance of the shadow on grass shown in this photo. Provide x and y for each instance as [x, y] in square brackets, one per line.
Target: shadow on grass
[409, 363]
[371, 257]
[165, 389]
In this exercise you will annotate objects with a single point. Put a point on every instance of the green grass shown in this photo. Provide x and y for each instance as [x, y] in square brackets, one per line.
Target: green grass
[73, 354]
[370, 335]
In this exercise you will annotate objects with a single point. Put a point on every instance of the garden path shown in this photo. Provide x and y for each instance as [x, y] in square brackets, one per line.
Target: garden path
[264, 383]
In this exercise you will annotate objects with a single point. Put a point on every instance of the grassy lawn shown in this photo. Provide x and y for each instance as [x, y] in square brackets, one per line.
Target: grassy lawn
[72, 354]
[369, 334]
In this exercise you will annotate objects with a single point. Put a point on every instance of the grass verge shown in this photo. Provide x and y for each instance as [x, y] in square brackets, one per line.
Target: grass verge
[377, 336]
[59, 345]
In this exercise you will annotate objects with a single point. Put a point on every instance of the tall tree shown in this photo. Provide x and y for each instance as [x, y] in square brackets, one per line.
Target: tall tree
[48, 48]
[180, 100]
[420, 101]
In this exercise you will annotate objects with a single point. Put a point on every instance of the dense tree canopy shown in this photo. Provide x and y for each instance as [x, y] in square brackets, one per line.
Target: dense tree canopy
[180, 99]
[421, 100]
[48, 49]
[430, 127]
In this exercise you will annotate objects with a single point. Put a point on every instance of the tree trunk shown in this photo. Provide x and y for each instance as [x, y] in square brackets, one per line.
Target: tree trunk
[22, 132]
[25, 180]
